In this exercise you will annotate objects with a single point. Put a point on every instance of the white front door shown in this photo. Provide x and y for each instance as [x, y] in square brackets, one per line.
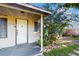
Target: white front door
[21, 31]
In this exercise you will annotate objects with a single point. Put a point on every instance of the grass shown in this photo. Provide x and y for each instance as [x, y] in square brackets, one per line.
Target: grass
[76, 53]
[75, 37]
[63, 51]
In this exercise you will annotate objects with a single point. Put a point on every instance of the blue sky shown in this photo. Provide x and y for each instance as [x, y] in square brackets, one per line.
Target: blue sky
[38, 4]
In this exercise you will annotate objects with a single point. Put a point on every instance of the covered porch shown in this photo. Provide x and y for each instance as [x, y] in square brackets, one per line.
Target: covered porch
[21, 50]
[21, 17]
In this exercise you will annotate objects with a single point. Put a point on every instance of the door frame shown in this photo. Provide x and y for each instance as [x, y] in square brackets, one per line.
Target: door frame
[16, 31]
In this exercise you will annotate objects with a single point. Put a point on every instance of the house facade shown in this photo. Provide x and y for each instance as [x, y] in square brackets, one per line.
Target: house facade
[20, 23]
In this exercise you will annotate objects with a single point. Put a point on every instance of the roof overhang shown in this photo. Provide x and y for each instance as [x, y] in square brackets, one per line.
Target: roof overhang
[26, 8]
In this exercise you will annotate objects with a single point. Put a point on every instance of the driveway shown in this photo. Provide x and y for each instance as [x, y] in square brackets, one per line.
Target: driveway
[21, 50]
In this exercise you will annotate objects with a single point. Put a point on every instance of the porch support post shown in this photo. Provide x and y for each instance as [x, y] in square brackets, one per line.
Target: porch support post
[42, 33]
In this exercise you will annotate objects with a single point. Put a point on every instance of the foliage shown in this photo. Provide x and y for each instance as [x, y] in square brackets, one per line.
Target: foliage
[72, 5]
[55, 23]
[38, 42]
[64, 51]
[75, 37]
[46, 42]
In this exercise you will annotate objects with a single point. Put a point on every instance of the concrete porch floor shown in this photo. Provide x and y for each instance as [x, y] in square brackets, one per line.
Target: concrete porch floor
[21, 50]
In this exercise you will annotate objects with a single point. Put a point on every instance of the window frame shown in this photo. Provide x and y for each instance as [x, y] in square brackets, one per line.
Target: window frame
[36, 27]
[6, 28]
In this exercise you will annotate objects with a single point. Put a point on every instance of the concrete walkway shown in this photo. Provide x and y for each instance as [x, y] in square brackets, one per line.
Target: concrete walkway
[21, 50]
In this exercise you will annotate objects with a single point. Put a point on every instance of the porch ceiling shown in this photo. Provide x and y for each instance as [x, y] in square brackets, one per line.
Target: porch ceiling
[16, 13]
[26, 7]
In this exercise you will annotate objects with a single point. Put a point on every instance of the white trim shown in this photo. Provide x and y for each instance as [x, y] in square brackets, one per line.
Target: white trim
[42, 33]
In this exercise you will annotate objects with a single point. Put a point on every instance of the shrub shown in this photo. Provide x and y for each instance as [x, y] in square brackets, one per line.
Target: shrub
[52, 39]
[38, 42]
[47, 42]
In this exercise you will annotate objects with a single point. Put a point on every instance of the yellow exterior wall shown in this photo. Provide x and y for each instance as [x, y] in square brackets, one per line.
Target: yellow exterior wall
[10, 40]
[32, 36]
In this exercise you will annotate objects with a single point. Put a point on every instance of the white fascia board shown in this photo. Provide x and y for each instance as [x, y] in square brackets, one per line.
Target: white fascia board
[33, 7]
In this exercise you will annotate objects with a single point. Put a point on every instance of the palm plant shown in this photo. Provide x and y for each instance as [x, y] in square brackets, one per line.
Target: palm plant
[55, 23]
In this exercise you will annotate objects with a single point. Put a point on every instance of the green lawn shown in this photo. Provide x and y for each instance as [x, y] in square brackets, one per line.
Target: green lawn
[75, 37]
[63, 51]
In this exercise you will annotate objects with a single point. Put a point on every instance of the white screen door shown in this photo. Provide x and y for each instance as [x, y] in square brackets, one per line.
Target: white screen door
[21, 31]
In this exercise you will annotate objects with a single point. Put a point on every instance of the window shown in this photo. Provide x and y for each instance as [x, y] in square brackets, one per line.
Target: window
[36, 27]
[3, 27]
